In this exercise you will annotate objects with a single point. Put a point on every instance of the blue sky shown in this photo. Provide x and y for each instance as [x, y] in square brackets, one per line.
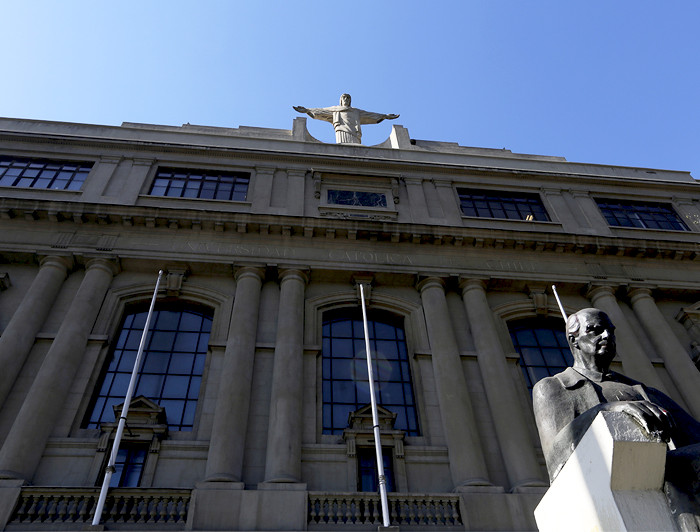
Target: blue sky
[610, 82]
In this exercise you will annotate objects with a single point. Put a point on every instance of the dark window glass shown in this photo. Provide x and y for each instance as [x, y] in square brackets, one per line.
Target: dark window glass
[542, 346]
[356, 198]
[171, 370]
[129, 465]
[205, 184]
[42, 173]
[345, 379]
[639, 214]
[499, 204]
[367, 477]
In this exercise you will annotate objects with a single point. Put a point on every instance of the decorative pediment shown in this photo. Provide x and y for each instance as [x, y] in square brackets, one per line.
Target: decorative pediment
[142, 411]
[145, 421]
[360, 431]
[361, 419]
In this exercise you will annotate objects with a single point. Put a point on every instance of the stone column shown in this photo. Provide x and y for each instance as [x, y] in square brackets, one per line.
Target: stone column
[467, 464]
[18, 337]
[283, 459]
[635, 362]
[509, 420]
[677, 361]
[22, 450]
[227, 444]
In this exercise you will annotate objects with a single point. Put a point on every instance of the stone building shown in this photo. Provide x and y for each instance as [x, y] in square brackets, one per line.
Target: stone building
[251, 406]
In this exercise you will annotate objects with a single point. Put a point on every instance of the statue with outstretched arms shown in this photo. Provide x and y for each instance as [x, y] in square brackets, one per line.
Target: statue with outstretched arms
[346, 120]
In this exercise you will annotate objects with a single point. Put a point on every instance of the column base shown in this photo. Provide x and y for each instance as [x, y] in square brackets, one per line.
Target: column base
[7, 474]
[222, 477]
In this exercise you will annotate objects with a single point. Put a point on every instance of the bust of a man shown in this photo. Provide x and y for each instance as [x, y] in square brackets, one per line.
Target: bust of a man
[566, 404]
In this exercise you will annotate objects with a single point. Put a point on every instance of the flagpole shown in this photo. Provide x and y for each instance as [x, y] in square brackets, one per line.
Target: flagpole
[561, 307]
[375, 418]
[125, 410]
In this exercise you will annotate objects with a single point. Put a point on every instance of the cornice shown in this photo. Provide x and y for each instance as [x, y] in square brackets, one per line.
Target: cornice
[70, 217]
[338, 163]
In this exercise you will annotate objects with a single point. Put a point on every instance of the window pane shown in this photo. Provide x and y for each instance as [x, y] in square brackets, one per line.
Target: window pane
[204, 184]
[172, 367]
[542, 346]
[345, 382]
[502, 204]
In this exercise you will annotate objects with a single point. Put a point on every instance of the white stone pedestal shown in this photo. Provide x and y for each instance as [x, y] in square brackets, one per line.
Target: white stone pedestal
[612, 481]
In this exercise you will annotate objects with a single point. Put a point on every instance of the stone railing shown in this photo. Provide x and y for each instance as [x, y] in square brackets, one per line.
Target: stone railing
[54, 506]
[333, 509]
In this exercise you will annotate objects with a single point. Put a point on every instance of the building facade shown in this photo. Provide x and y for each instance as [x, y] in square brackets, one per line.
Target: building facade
[251, 406]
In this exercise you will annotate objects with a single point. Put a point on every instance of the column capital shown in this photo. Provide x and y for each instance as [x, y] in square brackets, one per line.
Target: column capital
[301, 274]
[597, 290]
[637, 292]
[243, 272]
[265, 170]
[108, 265]
[472, 283]
[430, 282]
[64, 262]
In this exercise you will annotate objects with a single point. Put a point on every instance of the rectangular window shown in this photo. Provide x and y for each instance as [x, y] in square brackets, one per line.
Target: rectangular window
[641, 214]
[129, 465]
[357, 198]
[498, 204]
[367, 478]
[43, 173]
[204, 184]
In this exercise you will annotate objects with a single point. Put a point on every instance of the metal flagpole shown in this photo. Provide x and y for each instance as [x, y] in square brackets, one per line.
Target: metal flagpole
[561, 307]
[125, 410]
[375, 418]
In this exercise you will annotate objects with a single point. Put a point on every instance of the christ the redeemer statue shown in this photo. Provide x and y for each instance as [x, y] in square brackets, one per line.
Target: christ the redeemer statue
[346, 120]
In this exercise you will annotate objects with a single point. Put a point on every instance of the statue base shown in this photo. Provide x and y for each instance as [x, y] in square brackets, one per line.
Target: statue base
[613, 481]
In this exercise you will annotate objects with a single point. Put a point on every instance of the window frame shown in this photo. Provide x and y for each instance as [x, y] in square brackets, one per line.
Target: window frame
[133, 310]
[607, 204]
[465, 190]
[352, 313]
[203, 172]
[557, 326]
[386, 186]
[40, 164]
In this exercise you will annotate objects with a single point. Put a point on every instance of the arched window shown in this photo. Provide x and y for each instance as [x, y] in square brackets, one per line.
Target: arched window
[172, 367]
[543, 348]
[345, 381]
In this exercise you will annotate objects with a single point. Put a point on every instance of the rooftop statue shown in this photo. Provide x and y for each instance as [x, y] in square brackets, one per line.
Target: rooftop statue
[346, 120]
[566, 404]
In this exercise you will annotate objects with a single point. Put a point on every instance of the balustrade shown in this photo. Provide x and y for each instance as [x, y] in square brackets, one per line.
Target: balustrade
[357, 509]
[77, 505]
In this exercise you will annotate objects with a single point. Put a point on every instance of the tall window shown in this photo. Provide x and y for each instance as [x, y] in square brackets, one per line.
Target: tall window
[42, 173]
[638, 214]
[501, 204]
[367, 478]
[206, 184]
[129, 465]
[543, 348]
[345, 380]
[172, 367]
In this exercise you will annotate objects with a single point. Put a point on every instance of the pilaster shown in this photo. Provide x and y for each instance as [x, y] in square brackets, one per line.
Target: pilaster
[24, 445]
[635, 362]
[283, 457]
[514, 438]
[467, 464]
[227, 445]
[676, 359]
